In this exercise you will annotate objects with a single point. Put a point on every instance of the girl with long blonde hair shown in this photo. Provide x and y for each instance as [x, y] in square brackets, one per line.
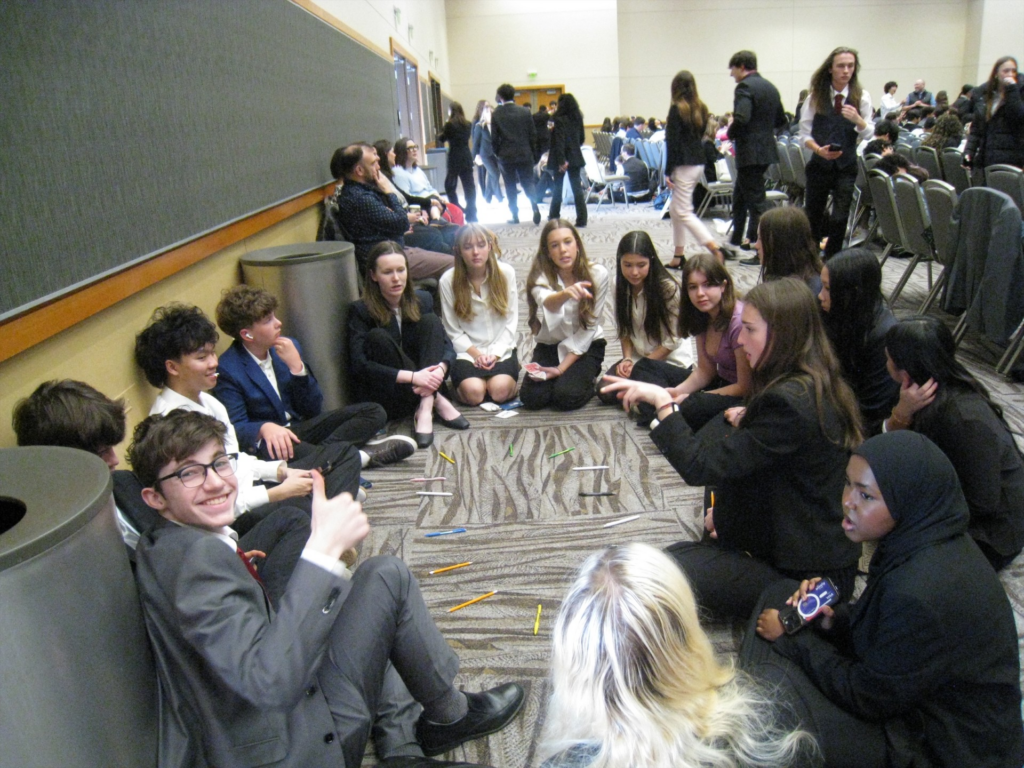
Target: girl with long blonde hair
[636, 682]
[480, 312]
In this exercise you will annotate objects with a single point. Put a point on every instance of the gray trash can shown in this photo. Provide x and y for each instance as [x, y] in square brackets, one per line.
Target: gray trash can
[79, 685]
[315, 283]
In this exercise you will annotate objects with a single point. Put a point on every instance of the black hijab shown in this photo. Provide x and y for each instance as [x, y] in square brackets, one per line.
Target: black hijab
[922, 492]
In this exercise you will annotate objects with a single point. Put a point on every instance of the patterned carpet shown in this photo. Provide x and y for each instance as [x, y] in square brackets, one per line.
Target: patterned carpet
[528, 530]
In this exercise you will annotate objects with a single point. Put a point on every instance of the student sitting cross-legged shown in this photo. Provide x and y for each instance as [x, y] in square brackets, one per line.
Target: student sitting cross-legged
[273, 398]
[295, 682]
[176, 352]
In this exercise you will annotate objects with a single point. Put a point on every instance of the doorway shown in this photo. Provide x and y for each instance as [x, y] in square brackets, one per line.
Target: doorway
[407, 91]
[532, 96]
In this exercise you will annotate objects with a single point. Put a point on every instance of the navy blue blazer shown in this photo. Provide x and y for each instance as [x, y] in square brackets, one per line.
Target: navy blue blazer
[251, 402]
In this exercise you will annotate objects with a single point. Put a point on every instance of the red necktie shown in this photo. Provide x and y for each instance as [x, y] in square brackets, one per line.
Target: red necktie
[252, 572]
[839, 103]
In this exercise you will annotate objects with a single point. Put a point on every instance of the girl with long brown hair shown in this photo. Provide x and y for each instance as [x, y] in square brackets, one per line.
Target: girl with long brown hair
[684, 131]
[398, 352]
[777, 466]
[997, 129]
[457, 133]
[565, 295]
[480, 311]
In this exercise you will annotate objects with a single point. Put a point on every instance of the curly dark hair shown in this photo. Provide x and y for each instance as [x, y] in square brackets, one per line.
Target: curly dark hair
[173, 332]
[71, 414]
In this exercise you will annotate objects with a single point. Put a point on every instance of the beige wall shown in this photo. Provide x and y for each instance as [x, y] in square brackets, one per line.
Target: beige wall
[99, 350]
[619, 56]
[570, 42]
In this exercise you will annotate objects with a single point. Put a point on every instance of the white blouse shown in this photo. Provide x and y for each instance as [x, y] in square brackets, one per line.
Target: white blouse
[562, 327]
[413, 182]
[681, 353]
[488, 331]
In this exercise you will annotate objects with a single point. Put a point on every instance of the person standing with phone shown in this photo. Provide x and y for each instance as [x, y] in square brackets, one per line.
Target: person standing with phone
[834, 119]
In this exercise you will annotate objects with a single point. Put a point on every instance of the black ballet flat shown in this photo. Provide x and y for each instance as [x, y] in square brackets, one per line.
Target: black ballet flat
[459, 422]
[424, 439]
[676, 266]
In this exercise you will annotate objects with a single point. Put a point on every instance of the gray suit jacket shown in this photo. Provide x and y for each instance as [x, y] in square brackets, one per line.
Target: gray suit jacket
[237, 680]
[757, 112]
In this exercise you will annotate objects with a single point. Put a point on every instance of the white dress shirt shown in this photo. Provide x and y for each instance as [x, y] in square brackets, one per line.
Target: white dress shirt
[563, 327]
[807, 116]
[413, 182]
[681, 353]
[890, 104]
[488, 331]
[249, 468]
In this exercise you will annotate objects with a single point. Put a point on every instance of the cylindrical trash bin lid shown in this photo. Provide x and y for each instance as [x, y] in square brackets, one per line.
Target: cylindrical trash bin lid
[314, 284]
[79, 681]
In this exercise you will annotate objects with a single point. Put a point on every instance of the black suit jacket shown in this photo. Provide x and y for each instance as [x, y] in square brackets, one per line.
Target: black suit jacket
[757, 112]
[683, 145]
[566, 140]
[779, 478]
[513, 133]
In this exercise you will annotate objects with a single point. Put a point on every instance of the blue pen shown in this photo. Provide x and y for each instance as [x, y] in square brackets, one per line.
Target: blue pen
[445, 533]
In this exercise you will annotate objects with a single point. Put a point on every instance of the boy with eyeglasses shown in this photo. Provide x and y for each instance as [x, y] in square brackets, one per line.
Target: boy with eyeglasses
[296, 682]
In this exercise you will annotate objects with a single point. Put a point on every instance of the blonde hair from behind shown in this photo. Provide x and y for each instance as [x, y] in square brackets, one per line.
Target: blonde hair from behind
[635, 678]
[497, 298]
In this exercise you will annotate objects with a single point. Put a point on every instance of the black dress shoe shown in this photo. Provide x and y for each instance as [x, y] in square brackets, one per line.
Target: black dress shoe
[753, 261]
[410, 761]
[536, 215]
[489, 712]
[424, 439]
[459, 422]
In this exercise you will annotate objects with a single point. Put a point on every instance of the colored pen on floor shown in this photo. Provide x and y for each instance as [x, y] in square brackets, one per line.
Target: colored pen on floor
[553, 455]
[586, 469]
[510, 449]
[444, 533]
[536, 622]
[451, 567]
[433, 493]
[446, 457]
[597, 493]
[621, 521]
[427, 479]
[474, 600]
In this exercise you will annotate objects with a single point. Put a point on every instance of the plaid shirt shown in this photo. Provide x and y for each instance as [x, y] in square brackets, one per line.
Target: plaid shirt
[370, 217]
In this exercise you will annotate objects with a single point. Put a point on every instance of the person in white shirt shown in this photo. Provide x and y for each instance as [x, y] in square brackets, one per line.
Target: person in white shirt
[565, 295]
[480, 312]
[647, 316]
[889, 102]
[413, 181]
[176, 353]
[834, 119]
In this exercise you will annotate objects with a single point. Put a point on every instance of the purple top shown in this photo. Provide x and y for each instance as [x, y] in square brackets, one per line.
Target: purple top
[725, 358]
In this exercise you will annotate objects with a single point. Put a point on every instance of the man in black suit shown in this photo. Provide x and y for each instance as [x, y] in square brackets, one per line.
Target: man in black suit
[514, 137]
[757, 112]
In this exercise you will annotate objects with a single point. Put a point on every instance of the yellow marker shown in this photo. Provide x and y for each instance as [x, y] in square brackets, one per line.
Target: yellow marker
[446, 457]
[474, 600]
[450, 568]
[536, 623]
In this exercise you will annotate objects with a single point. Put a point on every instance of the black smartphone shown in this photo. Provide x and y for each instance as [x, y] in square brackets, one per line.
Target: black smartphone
[795, 617]
[835, 147]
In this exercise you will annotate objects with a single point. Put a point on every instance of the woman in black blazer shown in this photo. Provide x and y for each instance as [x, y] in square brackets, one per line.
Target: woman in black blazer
[398, 352]
[940, 398]
[565, 155]
[460, 161]
[685, 158]
[778, 470]
[997, 129]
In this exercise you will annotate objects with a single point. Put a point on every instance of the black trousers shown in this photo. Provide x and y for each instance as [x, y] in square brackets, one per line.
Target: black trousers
[653, 372]
[281, 535]
[576, 185]
[822, 179]
[845, 741]
[728, 583]
[451, 186]
[570, 391]
[748, 196]
[355, 424]
[523, 173]
[422, 346]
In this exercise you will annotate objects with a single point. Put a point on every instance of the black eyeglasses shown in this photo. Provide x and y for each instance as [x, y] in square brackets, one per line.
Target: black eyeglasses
[194, 475]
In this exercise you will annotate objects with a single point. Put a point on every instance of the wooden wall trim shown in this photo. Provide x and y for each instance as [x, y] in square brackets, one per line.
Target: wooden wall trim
[342, 27]
[409, 55]
[40, 323]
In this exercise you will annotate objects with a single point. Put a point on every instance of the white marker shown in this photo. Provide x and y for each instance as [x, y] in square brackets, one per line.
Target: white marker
[433, 493]
[621, 521]
[584, 469]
